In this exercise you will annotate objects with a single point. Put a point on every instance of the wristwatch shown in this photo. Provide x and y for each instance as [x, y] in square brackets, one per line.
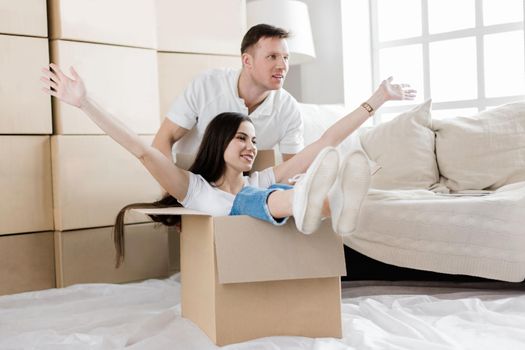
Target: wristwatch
[368, 108]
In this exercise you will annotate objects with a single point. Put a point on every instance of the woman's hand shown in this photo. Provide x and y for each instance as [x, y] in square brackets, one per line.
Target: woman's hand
[71, 91]
[397, 91]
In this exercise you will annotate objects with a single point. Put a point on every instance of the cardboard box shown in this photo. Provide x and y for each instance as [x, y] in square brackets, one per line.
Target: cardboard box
[199, 26]
[122, 80]
[25, 184]
[26, 262]
[93, 178]
[243, 278]
[119, 22]
[22, 58]
[23, 17]
[88, 256]
[177, 70]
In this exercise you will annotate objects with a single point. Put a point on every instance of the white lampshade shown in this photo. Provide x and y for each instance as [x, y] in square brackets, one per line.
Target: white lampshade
[291, 15]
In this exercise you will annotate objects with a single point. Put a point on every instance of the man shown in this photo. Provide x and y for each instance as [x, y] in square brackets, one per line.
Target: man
[255, 90]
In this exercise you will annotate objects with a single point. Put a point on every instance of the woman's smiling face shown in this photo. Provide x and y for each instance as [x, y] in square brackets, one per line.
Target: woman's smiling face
[242, 150]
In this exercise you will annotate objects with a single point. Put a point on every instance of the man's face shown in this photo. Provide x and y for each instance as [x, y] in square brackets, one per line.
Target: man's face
[267, 62]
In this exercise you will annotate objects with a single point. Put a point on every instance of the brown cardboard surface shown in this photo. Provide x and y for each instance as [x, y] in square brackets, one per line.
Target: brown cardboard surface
[122, 80]
[93, 178]
[88, 256]
[210, 32]
[272, 253]
[26, 262]
[119, 22]
[25, 184]
[198, 260]
[269, 252]
[308, 307]
[25, 108]
[177, 70]
[170, 211]
[23, 17]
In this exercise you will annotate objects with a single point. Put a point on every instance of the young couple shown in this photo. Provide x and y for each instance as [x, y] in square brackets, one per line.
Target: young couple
[325, 184]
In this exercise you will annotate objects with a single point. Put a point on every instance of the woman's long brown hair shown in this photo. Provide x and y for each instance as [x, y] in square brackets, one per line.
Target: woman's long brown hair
[209, 163]
[118, 229]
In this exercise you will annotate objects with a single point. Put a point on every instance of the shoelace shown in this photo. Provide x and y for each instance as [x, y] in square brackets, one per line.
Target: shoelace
[375, 168]
[296, 178]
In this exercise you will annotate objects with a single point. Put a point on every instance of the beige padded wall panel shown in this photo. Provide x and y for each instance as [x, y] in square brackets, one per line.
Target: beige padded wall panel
[93, 178]
[119, 22]
[87, 256]
[26, 262]
[176, 70]
[25, 108]
[123, 80]
[25, 184]
[203, 26]
[23, 17]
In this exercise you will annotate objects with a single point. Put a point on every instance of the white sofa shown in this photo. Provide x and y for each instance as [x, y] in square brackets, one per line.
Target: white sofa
[450, 196]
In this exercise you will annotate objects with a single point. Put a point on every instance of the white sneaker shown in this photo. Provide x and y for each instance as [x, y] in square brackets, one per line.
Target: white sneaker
[312, 188]
[349, 191]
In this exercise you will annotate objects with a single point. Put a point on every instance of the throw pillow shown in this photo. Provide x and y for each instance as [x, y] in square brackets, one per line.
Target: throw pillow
[486, 151]
[404, 148]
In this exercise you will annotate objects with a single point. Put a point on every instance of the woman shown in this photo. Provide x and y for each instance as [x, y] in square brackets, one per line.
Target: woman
[216, 183]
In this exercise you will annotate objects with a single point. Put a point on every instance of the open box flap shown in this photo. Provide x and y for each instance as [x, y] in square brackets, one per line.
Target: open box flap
[251, 250]
[169, 211]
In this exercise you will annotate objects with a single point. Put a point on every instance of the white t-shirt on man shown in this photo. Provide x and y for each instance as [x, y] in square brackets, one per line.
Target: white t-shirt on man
[202, 196]
[277, 119]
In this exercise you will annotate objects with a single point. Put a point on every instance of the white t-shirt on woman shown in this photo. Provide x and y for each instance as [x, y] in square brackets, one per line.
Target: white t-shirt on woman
[204, 197]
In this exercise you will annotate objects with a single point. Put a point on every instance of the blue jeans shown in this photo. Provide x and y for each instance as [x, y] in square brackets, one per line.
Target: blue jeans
[253, 201]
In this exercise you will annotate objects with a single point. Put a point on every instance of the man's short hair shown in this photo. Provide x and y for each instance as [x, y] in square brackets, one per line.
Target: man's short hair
[259, 31]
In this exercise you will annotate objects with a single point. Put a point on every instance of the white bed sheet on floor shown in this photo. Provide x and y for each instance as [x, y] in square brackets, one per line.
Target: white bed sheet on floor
[147, 315]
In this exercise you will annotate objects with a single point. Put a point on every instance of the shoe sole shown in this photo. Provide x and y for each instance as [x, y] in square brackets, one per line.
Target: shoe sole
[355, 182]
[318, 187]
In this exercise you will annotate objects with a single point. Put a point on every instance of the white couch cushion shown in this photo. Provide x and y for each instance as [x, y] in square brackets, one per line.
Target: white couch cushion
[469, 235]
[404, 148]
[486, 151]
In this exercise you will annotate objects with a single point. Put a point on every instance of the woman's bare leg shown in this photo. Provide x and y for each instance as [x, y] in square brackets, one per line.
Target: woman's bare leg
[280, 204]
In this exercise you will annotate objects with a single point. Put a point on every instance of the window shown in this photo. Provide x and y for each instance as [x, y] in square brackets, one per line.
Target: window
[466, 55]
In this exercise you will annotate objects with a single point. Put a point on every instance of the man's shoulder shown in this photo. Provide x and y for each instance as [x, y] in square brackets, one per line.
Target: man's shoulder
[215, 81]
[217, 75]
[286, 102]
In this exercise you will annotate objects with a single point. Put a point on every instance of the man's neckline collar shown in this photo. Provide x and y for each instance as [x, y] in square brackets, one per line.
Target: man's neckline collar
[266, 106]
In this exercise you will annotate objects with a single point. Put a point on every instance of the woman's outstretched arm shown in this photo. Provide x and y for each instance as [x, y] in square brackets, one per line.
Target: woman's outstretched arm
[335, 134]
[72, 91]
